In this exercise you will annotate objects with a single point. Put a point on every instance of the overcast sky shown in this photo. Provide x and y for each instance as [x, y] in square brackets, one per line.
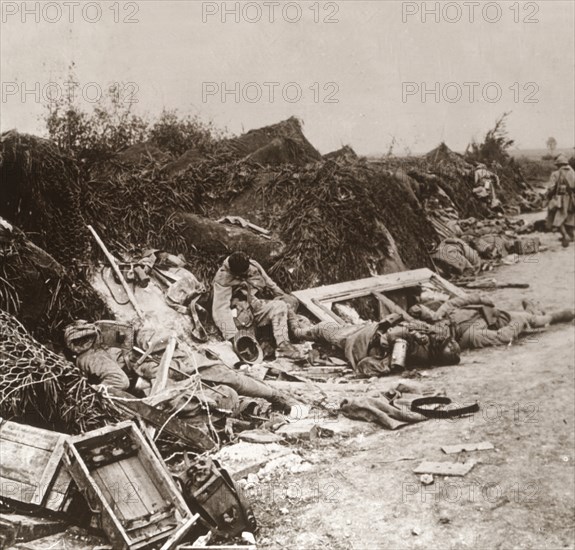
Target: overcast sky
[360, 66]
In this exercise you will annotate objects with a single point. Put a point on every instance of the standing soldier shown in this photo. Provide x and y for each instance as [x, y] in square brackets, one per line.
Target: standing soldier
[561, 195]
[485, 183]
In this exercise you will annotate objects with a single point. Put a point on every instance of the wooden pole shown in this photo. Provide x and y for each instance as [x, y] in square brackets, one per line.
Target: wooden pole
[118, 273]
[163, 368]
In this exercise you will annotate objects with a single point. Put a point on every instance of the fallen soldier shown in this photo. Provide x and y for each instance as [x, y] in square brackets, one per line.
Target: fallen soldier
[369, 347]
[122, 368]
[475, 322]
[243, 290]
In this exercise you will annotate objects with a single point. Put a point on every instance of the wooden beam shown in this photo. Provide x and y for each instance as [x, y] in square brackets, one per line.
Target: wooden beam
[450, 288]
[328, 311]
[392, 306]
[164, 367]
[118, 273]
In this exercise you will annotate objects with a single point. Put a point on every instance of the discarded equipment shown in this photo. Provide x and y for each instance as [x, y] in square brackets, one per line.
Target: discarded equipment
[209, 490]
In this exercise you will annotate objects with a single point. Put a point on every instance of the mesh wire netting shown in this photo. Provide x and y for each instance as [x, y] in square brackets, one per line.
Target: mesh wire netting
[42, 388]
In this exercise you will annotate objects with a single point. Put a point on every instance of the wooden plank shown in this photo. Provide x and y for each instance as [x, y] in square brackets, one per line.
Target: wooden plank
[161, 476]
[23, 463]
[55, 498]
[445, 468]
[34, 437]
[110, 488]
[180, 533]
[143, 484]
[26, 528]
[31, 458]
[87, 485]
[361, 287]
[161, 379]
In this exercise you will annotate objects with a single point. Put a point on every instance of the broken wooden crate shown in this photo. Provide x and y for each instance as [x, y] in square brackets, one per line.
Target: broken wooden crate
[31, 470]
[127, 486]
[320, 300]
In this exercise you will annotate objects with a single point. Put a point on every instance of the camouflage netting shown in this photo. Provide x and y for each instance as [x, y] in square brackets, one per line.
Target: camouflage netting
[39, 291]
[443, 169]
[40, 193]
[41, 388]
[452, 173]
[335, 218]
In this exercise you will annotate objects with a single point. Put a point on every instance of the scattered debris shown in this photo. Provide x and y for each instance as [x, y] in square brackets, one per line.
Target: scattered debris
[426, 479]
[468, 447]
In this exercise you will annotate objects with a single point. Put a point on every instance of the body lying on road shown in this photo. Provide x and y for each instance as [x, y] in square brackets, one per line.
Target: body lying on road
[475, 322]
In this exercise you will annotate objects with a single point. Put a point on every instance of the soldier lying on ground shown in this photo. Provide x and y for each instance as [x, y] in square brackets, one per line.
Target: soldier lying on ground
[475, 322]
[119, 368]
[368, 347]
[241, 284]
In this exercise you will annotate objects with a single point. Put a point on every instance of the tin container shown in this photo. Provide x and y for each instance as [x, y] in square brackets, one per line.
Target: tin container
[399, 353]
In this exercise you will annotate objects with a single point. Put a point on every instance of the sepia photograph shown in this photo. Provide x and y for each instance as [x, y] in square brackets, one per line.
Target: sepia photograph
[287, 274]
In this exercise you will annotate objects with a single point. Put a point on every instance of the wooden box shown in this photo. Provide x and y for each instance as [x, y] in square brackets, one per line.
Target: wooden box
[127, 486]
[31, 470]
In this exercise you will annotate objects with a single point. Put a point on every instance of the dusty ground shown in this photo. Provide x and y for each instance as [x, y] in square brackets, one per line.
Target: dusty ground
[358, 494]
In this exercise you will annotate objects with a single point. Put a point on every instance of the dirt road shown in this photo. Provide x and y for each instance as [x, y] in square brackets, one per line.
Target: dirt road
[361, 492]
